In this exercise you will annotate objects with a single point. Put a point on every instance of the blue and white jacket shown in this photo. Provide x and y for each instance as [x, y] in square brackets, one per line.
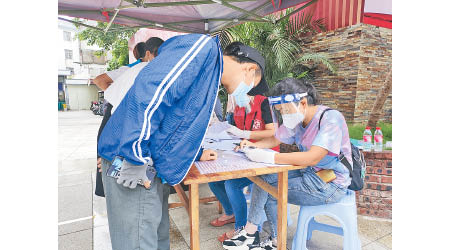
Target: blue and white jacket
[164, 116]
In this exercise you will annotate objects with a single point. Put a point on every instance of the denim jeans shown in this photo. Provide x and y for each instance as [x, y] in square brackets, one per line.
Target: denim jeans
[305, 188]
[231, 196]
[138, 218]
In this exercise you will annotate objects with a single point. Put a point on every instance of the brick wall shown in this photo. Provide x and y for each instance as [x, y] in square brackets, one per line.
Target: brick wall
[362, 53]
[376, 197]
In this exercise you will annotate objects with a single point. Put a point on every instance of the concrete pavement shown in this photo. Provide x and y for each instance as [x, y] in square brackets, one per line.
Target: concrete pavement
[82, 215]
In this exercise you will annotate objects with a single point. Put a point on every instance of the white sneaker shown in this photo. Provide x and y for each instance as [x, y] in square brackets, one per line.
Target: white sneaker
[241, 240]
[266, 245]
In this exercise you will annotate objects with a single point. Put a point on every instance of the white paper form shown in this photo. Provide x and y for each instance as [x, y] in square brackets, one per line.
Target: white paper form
[220, 145]
[217, 131]
[229, 161]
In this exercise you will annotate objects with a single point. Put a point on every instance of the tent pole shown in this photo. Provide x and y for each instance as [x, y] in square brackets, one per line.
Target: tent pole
[206, 26]
[131, 6]
[62, 12]
[184, 3]
[114, 17]
[218, 20]
[79, 23]
[160, 25]
[250, 13]
[152, 26]
[244, 16]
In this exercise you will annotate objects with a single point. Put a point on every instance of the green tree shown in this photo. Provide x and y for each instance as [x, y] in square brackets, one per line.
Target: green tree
[114, 41]
[281, 44]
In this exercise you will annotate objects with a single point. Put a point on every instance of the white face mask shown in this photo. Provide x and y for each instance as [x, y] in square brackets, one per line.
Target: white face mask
[292, 120]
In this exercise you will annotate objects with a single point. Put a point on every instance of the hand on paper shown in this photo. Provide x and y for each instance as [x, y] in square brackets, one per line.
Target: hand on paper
[259, 155]
[208, 155]
[239, 133]
[243, 144]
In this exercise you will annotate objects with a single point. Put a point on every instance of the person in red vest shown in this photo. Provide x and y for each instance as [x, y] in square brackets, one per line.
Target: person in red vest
[251, 119]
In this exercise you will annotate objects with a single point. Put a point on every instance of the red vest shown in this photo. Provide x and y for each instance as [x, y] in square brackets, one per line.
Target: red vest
[253, 118]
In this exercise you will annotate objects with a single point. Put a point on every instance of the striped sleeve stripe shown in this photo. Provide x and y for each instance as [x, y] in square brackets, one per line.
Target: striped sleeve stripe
[199, 48]
[136, 144]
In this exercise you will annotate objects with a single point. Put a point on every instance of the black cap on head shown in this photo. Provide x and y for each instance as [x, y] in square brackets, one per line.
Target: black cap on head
[254, 55]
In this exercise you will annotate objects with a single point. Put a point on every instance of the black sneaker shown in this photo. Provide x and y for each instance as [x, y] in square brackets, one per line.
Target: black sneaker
[266, 245]
[241, 240]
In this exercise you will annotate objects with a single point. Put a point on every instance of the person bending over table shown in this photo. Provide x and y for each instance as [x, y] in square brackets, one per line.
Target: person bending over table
[143, 52]
[156, 132]
[251, 120]
[296, 113]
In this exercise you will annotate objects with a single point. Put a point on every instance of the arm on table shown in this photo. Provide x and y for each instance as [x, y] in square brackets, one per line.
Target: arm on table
[308, 158]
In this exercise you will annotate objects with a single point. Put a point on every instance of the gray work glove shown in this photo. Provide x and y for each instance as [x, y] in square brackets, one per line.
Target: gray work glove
[130, 175]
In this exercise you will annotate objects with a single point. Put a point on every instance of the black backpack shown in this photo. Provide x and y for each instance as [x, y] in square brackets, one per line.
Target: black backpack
[358, 171]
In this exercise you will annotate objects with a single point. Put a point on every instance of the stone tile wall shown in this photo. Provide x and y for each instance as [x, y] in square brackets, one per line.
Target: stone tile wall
[362, 54]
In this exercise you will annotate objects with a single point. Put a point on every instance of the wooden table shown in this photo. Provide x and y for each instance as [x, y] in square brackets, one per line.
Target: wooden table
[194, 178]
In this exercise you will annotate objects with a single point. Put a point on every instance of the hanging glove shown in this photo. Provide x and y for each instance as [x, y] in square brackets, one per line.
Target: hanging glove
[244, 134]
[259, 155]
[130, 175]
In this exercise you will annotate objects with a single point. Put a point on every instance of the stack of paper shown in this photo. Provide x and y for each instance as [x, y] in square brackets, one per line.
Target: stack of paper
[218, 131]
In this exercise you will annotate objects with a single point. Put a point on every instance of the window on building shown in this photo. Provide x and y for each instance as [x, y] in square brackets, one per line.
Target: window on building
[71, 70]
[67, 36]
[68, 53]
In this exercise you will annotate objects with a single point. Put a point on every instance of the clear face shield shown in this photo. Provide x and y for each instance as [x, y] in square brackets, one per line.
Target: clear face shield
[286, 112]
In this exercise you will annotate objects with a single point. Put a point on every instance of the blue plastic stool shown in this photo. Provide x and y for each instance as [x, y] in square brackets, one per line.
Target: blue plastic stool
[343, 211]
[248, 198]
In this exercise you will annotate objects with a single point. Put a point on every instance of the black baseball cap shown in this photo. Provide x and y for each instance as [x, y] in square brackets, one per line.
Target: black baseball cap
[255, 56]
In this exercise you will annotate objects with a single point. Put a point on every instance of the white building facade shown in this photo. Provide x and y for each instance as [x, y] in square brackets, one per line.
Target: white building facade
[76, 65]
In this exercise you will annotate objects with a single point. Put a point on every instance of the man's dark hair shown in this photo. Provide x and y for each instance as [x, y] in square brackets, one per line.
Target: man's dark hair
[233, 50]
[152, 45]
[293, 85]
[139, 50]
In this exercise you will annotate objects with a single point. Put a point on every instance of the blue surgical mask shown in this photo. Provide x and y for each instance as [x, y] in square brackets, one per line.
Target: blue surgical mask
[240, 93]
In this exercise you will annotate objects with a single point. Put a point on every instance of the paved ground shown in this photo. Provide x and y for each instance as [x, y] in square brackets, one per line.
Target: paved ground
[82, 215]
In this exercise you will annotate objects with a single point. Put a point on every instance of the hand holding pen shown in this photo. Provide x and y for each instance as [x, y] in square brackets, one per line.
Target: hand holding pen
[243, 144]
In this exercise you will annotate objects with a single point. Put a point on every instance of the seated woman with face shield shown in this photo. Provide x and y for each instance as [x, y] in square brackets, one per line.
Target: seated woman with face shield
[251, 119]
[296, 113]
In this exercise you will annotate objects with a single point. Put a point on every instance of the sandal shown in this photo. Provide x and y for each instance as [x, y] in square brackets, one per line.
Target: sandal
[223, 237]
[219, 223]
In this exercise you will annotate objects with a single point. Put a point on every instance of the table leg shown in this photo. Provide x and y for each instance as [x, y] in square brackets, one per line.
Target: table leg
[182, 196]
[282, 209]
[194, 216]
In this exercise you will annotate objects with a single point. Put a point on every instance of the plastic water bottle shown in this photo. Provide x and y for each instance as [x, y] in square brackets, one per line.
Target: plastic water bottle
[367, 139]
[378, 140]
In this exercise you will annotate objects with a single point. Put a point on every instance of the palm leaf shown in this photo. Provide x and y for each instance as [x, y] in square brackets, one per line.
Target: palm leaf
[284, 51]
[225, 37]
[317, 58]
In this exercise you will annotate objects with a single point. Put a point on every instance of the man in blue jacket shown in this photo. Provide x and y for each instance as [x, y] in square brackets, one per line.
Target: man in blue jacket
[159, 126]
